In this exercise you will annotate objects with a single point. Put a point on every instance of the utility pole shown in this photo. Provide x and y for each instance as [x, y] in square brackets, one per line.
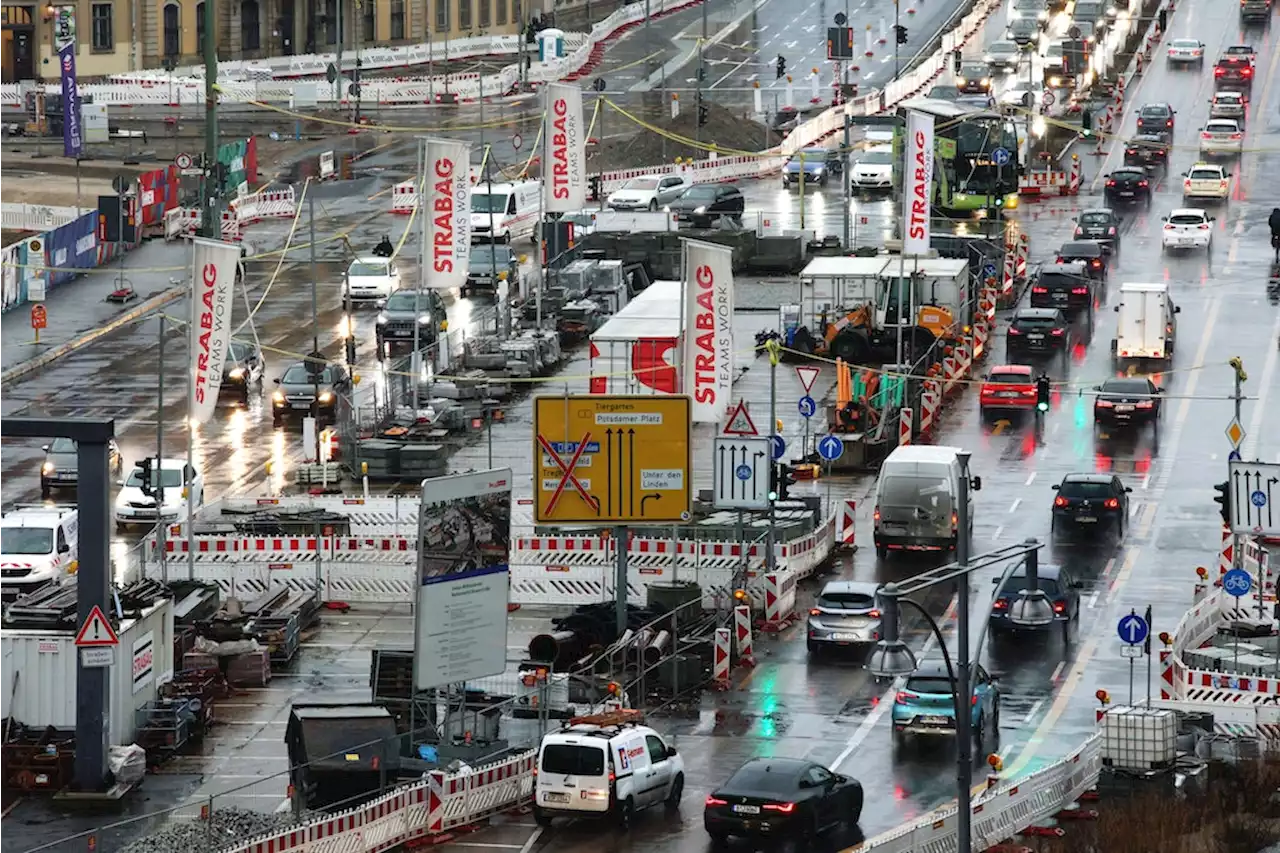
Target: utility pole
[313, 367]
[846, 178]
[897, 21]
[964, 722]
[774, 350]
[702, 73]
[211, 208]
[1237, 541]
[162, 526]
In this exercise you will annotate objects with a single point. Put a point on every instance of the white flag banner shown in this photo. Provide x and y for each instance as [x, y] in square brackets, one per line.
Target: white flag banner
[564, 170]
[917, 182]
[708, 329]
[446, 212]
[213, 278]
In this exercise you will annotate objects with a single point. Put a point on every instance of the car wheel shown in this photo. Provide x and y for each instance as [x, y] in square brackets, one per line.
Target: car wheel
[677, 789]
[882, 552]
[653, 206]
[541, 818]
[995, 718]
[626, 813]
[812, 647]
[718, 838]
[45, 491]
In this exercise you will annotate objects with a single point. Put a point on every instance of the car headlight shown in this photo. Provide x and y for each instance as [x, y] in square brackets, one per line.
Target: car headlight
[237, 373]
[1055, 82]
[382, 319]
[986, 81]
[424, 320]
[47, 468]
[960, 81]
[1044, 15]
[702, 209]
[326, 396]
[277, 397]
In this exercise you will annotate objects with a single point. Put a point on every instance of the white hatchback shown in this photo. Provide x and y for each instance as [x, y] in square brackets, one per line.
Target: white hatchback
[133, 505]
[372, 278]
[1206, 180]
[1187, 228]
[873, 170]
[1222, 136]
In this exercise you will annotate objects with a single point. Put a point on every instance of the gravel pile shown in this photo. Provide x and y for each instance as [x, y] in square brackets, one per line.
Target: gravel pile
[226, 827]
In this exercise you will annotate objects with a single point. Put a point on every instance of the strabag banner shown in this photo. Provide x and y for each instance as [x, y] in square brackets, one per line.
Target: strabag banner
[917, 181]
[446, 220]
[213, 277]
[707, 357]
[564, 178]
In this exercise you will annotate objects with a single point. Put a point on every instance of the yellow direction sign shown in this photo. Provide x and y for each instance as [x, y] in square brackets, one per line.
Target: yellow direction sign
[604, 459]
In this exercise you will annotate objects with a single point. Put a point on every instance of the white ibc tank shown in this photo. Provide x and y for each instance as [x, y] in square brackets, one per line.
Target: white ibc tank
[550, 44]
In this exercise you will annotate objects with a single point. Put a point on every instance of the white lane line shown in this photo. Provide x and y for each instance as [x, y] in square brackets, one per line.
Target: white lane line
[533, 839]
[1014, 506]
[1146, 481]
[1057, 670]
[1093, 599]
[1031, 715]
[1030, 479]
[995, 537]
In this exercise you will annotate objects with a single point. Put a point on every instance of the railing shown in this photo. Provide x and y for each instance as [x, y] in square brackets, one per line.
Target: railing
[37, 217]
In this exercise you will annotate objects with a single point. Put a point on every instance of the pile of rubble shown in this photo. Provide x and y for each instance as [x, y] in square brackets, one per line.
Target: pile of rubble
[223, 829]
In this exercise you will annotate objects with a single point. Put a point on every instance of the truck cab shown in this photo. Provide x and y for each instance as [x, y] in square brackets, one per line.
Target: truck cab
[1147, 325]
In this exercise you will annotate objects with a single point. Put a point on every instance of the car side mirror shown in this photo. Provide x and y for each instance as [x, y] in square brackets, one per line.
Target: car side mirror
[805, 783]
[1159, 390]
[1177, 309]
[671, 752]
[1056, 486]
[276, 380]
[1128, 489]
[45, 448]
[1116, 309]
[976, 484]
[381, 303]
[64, 548]
[1077, 584]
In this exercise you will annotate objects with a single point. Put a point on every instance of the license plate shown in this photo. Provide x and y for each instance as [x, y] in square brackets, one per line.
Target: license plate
[1085, 519]
[301, 406]
[895, 530]
[555, 797]
[1010, 393]
[1061, 297]
[1126, 192]
[846, 638]
[747, 809]
[1036, 337]
[1124, 408]
[935, 721]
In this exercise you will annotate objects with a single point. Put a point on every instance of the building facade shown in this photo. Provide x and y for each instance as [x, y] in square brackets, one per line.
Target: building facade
[117, 36]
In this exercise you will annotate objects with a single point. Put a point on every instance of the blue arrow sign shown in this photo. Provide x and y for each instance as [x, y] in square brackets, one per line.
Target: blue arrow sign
[1000, 156]
[988, 270]
[1133, 629]
[808, 407]
[743, 472]
[1237, 582]
[830, 448]
[1234, 456]
[777, 446]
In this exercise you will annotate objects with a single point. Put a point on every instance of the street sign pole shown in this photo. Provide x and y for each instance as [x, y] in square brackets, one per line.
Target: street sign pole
[1134, 632]
[620, 593]
[772, 346]
[1146, 648]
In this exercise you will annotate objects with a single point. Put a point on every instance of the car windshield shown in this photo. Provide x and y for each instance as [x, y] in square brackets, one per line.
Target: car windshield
[1036, 322]
[1221, 127]
[1054, 51]
[1003, 47]
[1155, 112]
[367, 269]
[1085, 489]
[1059, 279]
[170, 478]
[705, 192]
[1227, 98]
[1185, 43]
[811, 156]
[1129, 176]
[1098, 218]
[26, 540]
[1126, 386]
[1018, 583]
[641, 184]
[876, 158]
[846, 600]
[405, 300]
[567, 759]
[931, 685]
[974, 71]
[755, 777]
[239, 352]
[492, 254]
[1080, 250]
[300, 375]
[489, 202]
[1186, 219]
[62, 445]
[944, 93]
[1007, 378]
[1024, 25]
[1205, 175]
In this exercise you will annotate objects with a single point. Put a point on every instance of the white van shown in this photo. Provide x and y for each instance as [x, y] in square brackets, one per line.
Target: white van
[917, 500]
[507, 210]
[37, 545]
[605, 765]
[1147, 324]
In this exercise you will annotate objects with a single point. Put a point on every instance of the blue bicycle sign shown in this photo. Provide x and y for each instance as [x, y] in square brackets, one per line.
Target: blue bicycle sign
[1237, 583]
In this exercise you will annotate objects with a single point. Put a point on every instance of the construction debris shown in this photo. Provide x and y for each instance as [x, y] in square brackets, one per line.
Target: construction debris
[224, 828]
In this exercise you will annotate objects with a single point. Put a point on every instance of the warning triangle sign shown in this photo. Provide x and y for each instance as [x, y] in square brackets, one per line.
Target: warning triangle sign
[740, 422]
[97, 631]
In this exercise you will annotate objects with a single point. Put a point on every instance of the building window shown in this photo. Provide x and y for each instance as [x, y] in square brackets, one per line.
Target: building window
[397, 19]
[464, 15]
[330, 21]
[250, 25]
[172, 29]
[103, 36]
[502, 11]
[368, 21]
[200, 28]
[442, 16]
[485, 16]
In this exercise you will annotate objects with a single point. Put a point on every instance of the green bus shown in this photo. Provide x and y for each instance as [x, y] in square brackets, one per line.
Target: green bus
[967, 180]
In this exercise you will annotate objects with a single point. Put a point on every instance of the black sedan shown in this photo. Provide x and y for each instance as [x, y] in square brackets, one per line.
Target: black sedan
[1129, 400]
[1090, 502]
[781, 798]
[1100, 225]
[1087, 252]
[1126, 186]
[1146, 150]
[1037, 330]
[702, 204]
[1157, 119]
[1060, 589]
[300, 386]
[974, 78]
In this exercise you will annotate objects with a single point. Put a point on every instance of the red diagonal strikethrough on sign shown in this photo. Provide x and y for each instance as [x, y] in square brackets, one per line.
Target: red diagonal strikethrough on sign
[567, 476]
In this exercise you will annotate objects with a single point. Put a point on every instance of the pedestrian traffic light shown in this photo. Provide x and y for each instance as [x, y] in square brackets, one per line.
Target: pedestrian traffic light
[1224, 500]
[901, 33]
[786, 479]
[1042, 394]
[773, 483]
[144, 475]
[593, 184]
[1086, 122]
[782, 66]
[702, 115]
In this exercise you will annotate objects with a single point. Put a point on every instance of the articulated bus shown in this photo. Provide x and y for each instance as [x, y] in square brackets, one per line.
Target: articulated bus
[967, 180]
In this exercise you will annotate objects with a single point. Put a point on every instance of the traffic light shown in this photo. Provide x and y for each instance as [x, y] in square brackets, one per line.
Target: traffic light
[702, 72]
[702, 115]
[1224, 500]
[1042, 394]
[144, 469]
[1086, 123]
[593, 184]
[782, 66]
[786, 479]
[773, 483]
[901, 33]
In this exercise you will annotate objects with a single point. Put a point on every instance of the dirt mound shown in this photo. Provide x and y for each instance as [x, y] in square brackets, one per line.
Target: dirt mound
[728, 130]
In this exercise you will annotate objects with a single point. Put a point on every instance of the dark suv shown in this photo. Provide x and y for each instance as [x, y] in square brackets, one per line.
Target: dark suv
[702, 204]
[1233, 75]
[1090, 502]
[1128, 400]
[1037, 330]
[405, 310]
[1146, 150]
[300, 385]
[1065, 286]
[1059, 588]
[1157, 119]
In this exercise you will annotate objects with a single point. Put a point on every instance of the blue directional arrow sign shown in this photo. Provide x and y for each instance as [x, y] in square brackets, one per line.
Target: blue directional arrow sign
[988, 270]
[830, 448]
[1237, 582]
[1133, 629]
[808, 407]
[777, 446]
[1000, 156]
[1234, 456]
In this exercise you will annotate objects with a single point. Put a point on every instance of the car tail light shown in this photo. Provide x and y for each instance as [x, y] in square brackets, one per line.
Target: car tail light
[1112, 230]
[1169, 123]
[715, 801]
[1248, 72]
[874, 614]
[1217, 72]
[875, 516]
[1014, 332]
[1145, 404]
[815, 612]
[1205, 227]
[1059, 607]
[1206, 135]
[1079, 232]
[955, 522]
[903, 696]
[1057, 333]
[1001, 604]
[1079, 291]
[785, 808]
[1169, 226]
[1142, 183]
[1039, 290]
[1127, 151]
[1237, 136]
[1112, 503]
[974, 703]
[1113, 183]
[1059, 501]
[1106, 404]
[1096, 263]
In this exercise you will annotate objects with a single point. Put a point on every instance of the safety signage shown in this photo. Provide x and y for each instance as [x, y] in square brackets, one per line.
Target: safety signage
[1000, 156]
[97, 657]
[742, 468]
[808, 375]
[97, 631]
[1255, 488]
[182, 161]
[612, 459]
[740, 422]
[1235, 433]
[777, 446]
[830, 448]
[1132, 629]
[1047, 98]
[1237, 583]
[39, 317]
[808, 406]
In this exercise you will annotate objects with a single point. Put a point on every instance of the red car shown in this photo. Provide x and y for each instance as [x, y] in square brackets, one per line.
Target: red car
[1008, 388]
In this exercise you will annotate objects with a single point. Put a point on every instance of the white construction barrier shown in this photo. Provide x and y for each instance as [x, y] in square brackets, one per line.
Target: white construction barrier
[246, 210]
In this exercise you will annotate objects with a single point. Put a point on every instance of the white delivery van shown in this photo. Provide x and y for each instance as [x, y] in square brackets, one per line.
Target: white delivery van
[1147, 325]
[37, 545]
[917, 500]
[605, 765]
[505, 210]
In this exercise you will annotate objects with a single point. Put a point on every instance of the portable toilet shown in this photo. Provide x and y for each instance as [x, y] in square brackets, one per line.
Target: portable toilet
[550, 44]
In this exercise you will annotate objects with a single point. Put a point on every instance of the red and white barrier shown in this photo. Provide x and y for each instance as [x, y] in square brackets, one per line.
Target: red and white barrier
[1022, 256]
[1227, 553]
[905, 417]
[930, 405]
[720, 660]
[285, 544]
[849, 524]
[779, 601]
[742, 635]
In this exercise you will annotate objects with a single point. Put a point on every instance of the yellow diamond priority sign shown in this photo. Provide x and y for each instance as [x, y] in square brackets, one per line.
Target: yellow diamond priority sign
[1235, 433]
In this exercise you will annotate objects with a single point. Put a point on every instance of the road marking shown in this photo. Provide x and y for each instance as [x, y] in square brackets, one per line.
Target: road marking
[995, 537]
[1032, 713]
[1057, 670]
[1031, 479]
[1013, 507]
[1146, 481]
[1093, 599]
[533, 839]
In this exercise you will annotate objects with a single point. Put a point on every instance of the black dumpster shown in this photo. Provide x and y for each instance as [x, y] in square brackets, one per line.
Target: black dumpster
[341, 755]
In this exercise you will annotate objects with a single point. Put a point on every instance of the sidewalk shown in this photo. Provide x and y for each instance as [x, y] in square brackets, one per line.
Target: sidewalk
[79, 307]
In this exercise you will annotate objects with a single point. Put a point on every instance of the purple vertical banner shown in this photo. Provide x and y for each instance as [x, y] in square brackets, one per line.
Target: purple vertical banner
[72, 131]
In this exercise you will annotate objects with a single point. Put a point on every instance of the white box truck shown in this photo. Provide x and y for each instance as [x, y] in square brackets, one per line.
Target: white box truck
[1147, 324]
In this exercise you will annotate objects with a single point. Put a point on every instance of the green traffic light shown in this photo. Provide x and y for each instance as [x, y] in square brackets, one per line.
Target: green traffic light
[1044, 407]
[773, 496]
